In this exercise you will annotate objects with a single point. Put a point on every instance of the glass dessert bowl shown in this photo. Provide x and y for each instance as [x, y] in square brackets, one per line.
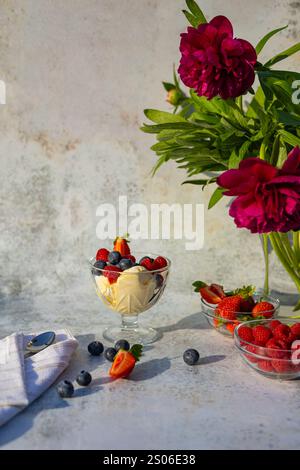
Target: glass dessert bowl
[227, 324]
[270, 347]
[130, 293]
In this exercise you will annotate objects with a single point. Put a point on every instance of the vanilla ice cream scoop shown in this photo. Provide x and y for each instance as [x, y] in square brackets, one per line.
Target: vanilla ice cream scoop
[132, 291]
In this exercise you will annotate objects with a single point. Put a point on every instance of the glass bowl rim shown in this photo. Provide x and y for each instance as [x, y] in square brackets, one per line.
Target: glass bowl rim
[212, 307]
[92, 260]
[238, 340]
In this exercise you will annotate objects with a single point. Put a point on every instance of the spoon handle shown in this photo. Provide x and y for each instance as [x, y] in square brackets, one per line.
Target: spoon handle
[28, 354]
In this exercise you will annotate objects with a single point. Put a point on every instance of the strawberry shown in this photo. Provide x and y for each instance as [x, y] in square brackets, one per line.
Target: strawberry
[217, 323]
[263, 309]
[125, 361]
[218, 290]
[231, 327]
[161, 262]
[246, 334]
[112, 273]
[121, 245]
[282, 332]
[247, 305]
[261, 334]
[102, 254]
[295, 329]
[273, 324]
[212, 294]
[229, 307]
[265, 365]
[209, 296]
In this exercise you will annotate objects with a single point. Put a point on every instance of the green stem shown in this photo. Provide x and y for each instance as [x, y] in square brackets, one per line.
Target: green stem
[277, 247]
[266, 257]
[296, 244]
[262, 150]
[240, 103]
[284, 238]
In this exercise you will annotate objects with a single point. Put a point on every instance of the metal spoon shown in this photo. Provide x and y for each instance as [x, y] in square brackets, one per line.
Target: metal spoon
[39, 342]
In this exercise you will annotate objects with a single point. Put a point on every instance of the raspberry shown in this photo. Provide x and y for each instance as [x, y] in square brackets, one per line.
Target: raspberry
[102, 254]
[273, 324]
[245, 333]
[255, 349]
[265, 365]
[282, 332]
[261, 334]
[274, 349]
[281, 366]
[112, 273]
[295, 329]
[150, 265]
[160, 262]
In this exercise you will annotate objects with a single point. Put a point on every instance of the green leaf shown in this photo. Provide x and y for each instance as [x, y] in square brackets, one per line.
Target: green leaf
[202, 182]
[168, 86]
[198, 285]
[191, 18]
[196, 11]
[162, 117]
[237, 156]
[289, 119]
[266, 38]
[275, 151]
[215, 198]
[136, 350]
[283, 55]
[289, 138]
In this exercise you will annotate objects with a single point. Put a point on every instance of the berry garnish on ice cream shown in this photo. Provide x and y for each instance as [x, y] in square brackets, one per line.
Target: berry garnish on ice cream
[125, 361]
[121, 245]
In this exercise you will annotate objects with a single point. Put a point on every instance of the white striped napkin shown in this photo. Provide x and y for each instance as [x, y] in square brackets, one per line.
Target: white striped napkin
[24, 380]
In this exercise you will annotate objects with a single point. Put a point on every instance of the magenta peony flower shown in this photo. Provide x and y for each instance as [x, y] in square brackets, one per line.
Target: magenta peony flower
[214, 63]
[267, 199]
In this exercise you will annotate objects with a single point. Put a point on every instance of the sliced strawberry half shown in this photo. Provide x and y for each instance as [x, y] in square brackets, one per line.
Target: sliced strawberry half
[125, 361]
[121, 245]
[209, 295]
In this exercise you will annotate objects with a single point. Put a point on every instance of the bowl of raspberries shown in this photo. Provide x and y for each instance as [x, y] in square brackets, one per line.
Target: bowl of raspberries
[225, 310]
[271, 346]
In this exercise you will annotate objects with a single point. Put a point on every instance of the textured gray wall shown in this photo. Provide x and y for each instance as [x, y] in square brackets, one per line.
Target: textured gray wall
[78, 74]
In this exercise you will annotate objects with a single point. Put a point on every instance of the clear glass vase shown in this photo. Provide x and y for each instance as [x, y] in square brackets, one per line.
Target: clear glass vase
[282, 267]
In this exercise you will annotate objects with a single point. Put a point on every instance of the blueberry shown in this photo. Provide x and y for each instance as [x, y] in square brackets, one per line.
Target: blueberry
[191, 357]
[110, 354]
[95, 348]
[146, 257]
[159, 280]
[125, 263]
[84, 378]
[114, 257]
[98, 265]
[65, 389]
[122, 344]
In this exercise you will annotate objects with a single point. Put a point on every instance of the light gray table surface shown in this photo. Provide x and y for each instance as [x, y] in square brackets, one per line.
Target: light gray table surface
[165, 404]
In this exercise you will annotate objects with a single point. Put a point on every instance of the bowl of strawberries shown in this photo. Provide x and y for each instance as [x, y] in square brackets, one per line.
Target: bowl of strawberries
[225, 310]
[270, 346]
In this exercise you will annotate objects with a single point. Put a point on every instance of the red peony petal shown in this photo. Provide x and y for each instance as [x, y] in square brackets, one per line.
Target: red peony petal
[223, 25]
